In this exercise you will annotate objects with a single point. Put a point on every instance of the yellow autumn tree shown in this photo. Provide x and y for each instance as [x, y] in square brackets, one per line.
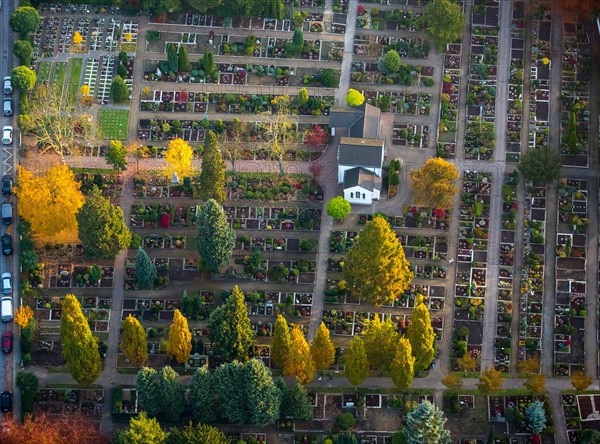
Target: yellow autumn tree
[180, 338]
[57, 193]
[300, 362]
[322, 349]
[434, 184]
[77, 38]
[128, 36]
[85, 90]
[179, 159]
[23, 315]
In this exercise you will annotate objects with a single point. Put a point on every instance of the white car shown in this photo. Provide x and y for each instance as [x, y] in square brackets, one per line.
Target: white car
[6, 283]
[7, 133]
[7, 85]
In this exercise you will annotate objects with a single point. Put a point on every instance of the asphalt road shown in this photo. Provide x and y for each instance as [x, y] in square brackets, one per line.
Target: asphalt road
[9, 362]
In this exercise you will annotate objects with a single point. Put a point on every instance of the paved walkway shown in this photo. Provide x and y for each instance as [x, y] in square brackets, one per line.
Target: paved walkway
[340, 97]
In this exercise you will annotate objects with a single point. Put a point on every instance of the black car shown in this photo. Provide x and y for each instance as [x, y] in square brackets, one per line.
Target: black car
[6, 401]
[7, 246]
[7, 185]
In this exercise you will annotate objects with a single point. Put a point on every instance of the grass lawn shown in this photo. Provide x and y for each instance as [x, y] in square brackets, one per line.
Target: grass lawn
[113, 123]
[74, 77]
[44, 71]
[58, 78]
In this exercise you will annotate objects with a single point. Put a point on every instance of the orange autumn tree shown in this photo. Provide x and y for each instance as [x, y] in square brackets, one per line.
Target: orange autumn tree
[72, 429]
[77, 39]
[57, 193]
[23, 315]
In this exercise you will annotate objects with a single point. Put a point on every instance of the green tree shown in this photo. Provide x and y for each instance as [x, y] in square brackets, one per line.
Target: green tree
[247, 393]
[215, 239]
[79, 346]
[180, 338]
[302, 96]
[197, 434]
[354, 97]
[202, 398]
[444, 22]
[389, 63]
[229, 328]
[425, 425]
[345, 421]
[172, 394]
[212, 174]
[295, 402]
[116, 156]
[141, 430]
[172, 58]
[402, 368]
[24, 20]
[376, 269]
[299, 362]
[490, 381]
[23, 79]
[328, 78]
[421, 335]
[183, 60]
[23, 50]
[204, 5]
[145, 270]
[101, 226]
[322, 349]
[28, 383]
[357, 363]
[572, 134]
[148, 391]
[280, 347]
[536, 417]
[381, 340]
[119, 90]
[134, 341]
[208, 63]
[338, 207]
[540, 165]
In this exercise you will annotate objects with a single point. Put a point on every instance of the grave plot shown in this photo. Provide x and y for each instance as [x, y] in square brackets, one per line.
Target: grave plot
[570, 307]
[105, 78]
[70, 275]
[162, 280]
[471, 261]
[532, 278]
[111, 185]
[338, 24]
[96, 310]
[50, 29]
[416, 217]
[501, 407]
[503, 341]
[129, 36]
[411, 135]
[515, 86]
[449, 102]
[65, 42]
[112, 32]
[275, 218]
[97, 34]
[575, 113]
[59, 401]
[540, 76]
[580, 412]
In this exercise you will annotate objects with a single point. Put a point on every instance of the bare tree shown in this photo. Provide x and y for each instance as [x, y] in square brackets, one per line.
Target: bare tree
[233, 141]
[55, 124]
[281, 131]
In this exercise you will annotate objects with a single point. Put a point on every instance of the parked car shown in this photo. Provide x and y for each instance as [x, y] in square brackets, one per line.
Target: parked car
[6, 401]
[6, 283]
[7, 246]
[7, 341]
[8, 85]
[7, 185]
[6, 211]
[7, 135]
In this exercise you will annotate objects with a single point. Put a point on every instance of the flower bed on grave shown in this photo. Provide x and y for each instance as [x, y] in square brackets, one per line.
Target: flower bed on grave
[275, 218]
[110, 184]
